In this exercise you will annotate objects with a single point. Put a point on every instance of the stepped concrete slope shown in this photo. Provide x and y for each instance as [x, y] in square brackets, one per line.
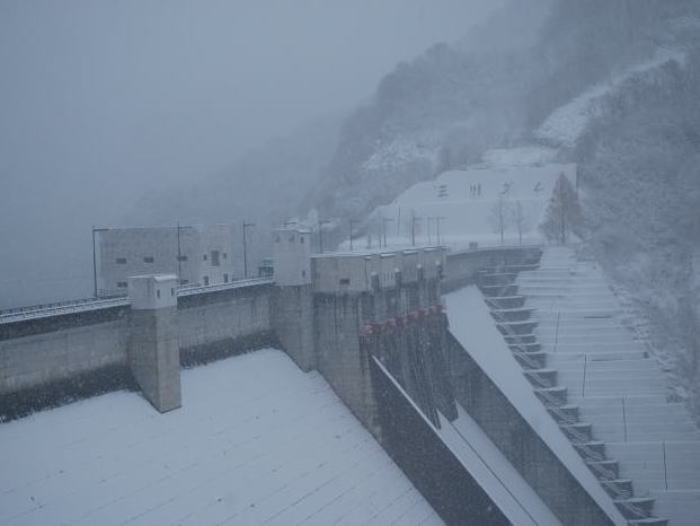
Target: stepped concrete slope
[471, 324]
[609, 380]
[258, 442]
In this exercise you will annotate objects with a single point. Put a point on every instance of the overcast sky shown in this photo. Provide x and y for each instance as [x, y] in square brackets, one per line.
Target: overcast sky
[102, 99]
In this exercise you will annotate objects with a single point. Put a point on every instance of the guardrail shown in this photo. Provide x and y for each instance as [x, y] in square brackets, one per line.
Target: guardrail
[87, 304]
[56, 309]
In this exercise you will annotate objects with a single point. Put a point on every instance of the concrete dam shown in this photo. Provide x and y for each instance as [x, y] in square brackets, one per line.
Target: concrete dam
[488, 387]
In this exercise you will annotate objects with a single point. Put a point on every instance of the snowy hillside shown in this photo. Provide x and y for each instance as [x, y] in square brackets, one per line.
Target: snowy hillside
[471, 205]
[566, 124]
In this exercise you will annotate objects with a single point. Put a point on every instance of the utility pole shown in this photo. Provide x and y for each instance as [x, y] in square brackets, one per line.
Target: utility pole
[414, 220]
[352, 223]
[321, 222]
[94, 257]
[179, 256]
[245, 248]
[94, 262]
[437, 222]
[385, 220]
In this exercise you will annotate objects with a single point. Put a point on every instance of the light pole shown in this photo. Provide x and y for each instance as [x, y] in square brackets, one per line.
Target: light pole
[245, 248]
[179, 257]
[437, 222]
[414, 220]
[385, 220]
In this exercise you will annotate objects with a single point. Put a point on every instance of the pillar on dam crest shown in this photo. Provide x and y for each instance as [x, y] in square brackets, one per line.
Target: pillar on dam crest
[293, 312]
[153, 350]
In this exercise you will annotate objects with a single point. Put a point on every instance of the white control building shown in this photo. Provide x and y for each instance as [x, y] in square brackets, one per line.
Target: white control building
[197, 255]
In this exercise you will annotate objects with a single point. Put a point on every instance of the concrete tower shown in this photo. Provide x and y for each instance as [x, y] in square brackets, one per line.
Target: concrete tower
[153, 346]
[292, 257]
[293, 315]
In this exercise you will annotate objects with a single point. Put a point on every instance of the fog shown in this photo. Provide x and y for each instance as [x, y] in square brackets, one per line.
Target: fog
[484, 305]
[101, 101]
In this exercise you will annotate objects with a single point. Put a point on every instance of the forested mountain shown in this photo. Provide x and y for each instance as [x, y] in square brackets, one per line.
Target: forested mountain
[609, 84]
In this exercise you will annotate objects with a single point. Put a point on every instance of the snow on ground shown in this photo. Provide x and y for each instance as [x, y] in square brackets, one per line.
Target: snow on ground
[468, 201]
[256, 442]
[472, 325]
[566, 124]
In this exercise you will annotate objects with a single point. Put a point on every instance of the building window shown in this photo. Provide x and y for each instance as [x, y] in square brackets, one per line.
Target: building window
[182, 258]
[184, 281]
[303, 273]
[206, 280]
[158, 293]
[345, 281]
[148, 259]
[224, 255]
[172, 291]
[204, 257]
[121, 261]
[215, 258]
[225, 278]
[301, 240]
[121, 284]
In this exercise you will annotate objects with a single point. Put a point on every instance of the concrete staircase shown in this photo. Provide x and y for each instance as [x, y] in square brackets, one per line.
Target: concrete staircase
[601, 385]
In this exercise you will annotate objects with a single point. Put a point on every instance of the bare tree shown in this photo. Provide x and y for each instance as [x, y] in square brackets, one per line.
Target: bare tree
[564, 215]
[520, 218]
[499, 217]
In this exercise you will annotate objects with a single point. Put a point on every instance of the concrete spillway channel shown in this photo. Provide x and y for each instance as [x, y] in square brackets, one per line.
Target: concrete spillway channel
[601, 386]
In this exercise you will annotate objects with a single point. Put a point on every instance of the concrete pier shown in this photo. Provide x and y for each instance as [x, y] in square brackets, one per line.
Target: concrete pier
[153, 350]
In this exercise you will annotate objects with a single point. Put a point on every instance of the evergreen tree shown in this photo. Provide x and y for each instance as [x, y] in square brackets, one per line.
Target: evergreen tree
[564, 215]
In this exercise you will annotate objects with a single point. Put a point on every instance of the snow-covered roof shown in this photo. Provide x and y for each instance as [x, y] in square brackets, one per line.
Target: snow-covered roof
[256, 442]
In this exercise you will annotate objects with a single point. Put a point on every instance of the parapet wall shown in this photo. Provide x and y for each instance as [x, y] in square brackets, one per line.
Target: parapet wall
[50, 358]
[39, 351]
[213, 324]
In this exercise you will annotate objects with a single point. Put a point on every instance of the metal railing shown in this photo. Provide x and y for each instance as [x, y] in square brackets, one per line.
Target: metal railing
[55, 309]
[86, 304]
